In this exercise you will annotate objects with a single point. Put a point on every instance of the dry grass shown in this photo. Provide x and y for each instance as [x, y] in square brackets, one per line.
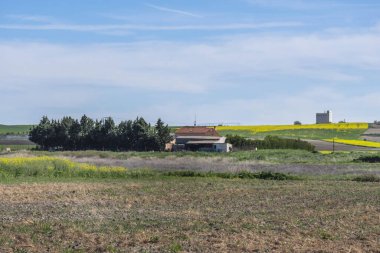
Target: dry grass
[221, 164]
[191, 215]
[335, 165]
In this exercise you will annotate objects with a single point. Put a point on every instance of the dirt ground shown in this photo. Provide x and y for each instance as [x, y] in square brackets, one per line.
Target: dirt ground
[372, 134]
[190, 215]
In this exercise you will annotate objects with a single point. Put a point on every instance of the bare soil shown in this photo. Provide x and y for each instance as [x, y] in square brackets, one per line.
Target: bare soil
[190, 215]
[372, 134]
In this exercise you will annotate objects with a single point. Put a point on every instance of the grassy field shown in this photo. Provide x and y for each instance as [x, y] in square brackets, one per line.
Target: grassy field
[14, 129]
[14, 140]
[314, 134]
[338, 165]
[307, 131]
[314, 131]
[16, 147]
[267, 128]
[57, 167]
[182, 214]
[58, 205]
[267, 156]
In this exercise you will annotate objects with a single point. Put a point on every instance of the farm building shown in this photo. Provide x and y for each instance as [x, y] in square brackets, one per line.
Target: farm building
[324, 118]
[200, 139]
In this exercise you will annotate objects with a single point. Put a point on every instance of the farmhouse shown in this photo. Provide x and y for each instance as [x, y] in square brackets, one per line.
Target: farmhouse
[200, 139]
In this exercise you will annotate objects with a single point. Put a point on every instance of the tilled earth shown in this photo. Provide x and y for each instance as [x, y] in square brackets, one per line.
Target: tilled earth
[190, 215]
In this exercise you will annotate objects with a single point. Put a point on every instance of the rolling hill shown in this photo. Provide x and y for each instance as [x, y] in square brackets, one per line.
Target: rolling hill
[310, 131]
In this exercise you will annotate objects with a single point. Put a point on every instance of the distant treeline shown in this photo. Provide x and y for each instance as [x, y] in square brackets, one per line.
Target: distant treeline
[85, 134]
[269, 142]
[14, 129]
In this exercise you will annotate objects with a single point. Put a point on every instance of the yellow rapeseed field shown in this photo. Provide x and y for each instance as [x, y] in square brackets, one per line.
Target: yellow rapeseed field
[50, 165]
[15, 161]
[361, 143]
[269, 128]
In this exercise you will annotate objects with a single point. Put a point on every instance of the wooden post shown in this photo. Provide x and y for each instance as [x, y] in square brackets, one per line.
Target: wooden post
[333, 144]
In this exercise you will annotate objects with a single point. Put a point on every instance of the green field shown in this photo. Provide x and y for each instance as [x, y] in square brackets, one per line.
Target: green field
[351, 131]
[14, 129]
[317, 134]
[312, 134]
[16, 147]
[280, 156]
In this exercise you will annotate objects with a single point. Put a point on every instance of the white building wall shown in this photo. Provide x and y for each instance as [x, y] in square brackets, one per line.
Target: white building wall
[223, 147]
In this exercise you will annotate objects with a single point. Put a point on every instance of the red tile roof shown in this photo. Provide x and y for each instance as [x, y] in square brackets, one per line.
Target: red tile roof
[197, 131]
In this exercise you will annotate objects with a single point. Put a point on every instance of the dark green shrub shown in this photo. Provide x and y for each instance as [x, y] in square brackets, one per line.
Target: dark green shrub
[230, 175]
[246, 174]
[185, 173]
[270, 142]
[274, 176]
[367, 178]
[368, 159]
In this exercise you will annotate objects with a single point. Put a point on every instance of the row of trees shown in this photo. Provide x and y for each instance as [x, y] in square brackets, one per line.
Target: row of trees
[84, 134]
[269, 142]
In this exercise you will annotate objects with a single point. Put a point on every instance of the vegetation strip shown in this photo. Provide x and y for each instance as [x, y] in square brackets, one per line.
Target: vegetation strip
[283, 156]
[243, 175]
[54, 167]
[269, 142]
[310, 131]
[14, 129]
[268, 128]
[366, 178]
[57, 167]
[368, 159]
[50, 167]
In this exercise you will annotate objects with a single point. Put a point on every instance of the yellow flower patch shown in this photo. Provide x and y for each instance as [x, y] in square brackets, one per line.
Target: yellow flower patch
[361, 143]
[50, 165]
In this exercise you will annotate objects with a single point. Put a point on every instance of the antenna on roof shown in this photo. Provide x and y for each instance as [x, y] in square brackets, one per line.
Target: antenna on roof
[195, 120]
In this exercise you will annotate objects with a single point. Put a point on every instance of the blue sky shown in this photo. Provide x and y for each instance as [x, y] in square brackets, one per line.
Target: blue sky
[243, 61]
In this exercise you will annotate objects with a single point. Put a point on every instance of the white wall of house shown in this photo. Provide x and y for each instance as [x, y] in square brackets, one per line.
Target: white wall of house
[222, 147]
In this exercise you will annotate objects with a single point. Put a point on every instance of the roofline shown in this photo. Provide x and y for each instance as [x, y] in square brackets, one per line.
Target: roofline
[199, 136]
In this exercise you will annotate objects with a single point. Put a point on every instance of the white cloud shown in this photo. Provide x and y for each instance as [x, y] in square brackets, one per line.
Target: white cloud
[192, 66]
[311, 5]
[324, 64]
[128, 27]
[32, 18]
[105, 65]
[175, 11]
[283, 108]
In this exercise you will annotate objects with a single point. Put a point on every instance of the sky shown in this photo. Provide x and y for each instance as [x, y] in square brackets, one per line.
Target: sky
[246, 62]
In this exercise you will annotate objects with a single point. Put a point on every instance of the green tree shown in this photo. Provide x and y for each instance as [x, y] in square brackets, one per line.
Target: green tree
[75, 135]
[71, 134]
[124, 135]
[40, 134]
[163, 134]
